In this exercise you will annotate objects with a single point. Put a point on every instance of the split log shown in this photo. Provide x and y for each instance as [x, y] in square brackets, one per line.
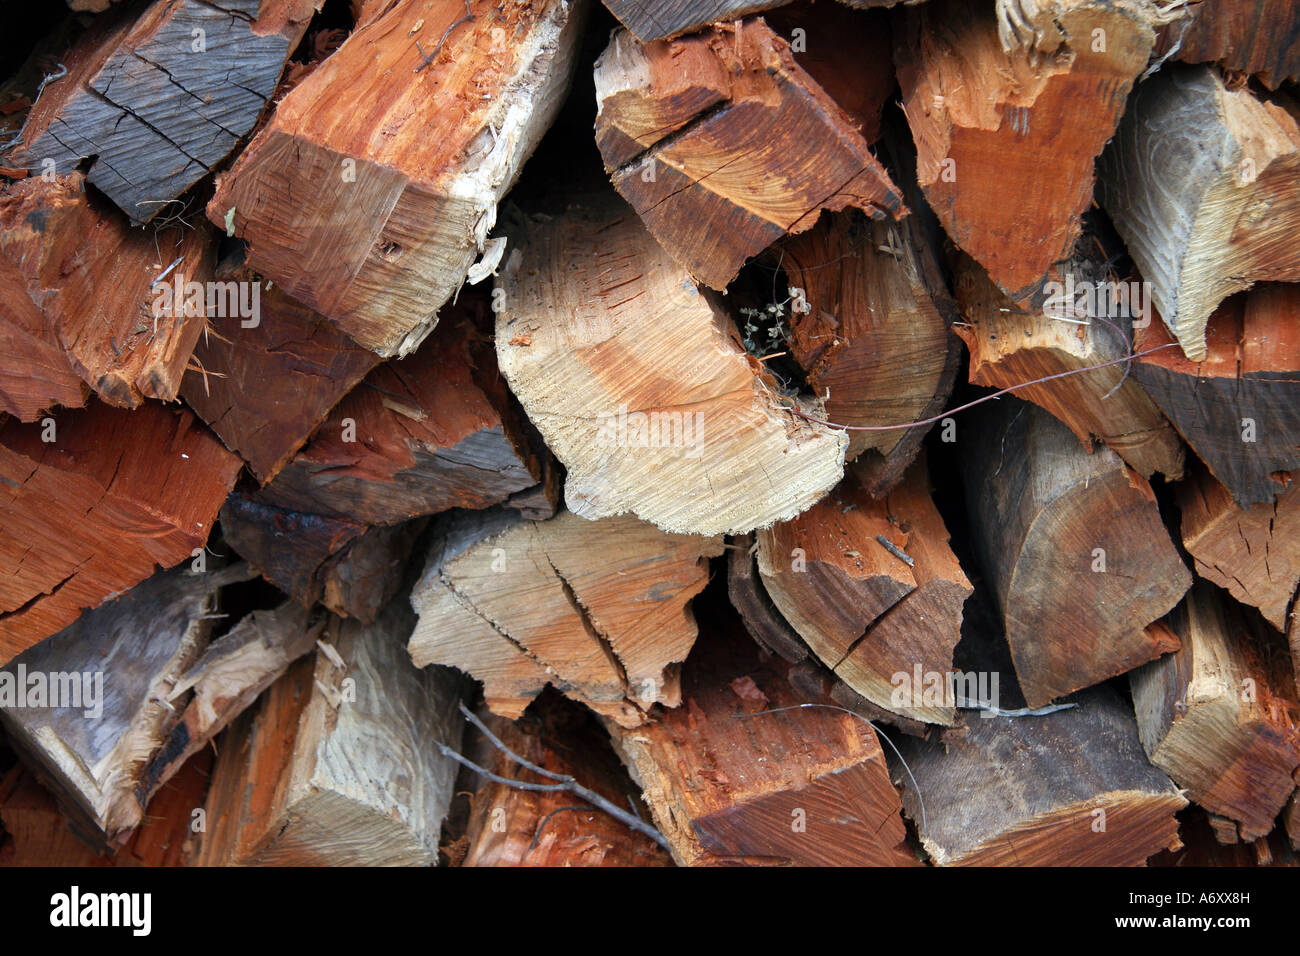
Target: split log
[1023, 96]
[728, 784]
[640, 387]
[1219, 716]
[695, 131]
[102, 714]
[1072, 788]
[1250, 552]
[659, 20]
[762, 620]
[513, 827]
[114, 495]
[349, 568]
[870, 610]
[1244, 36]
[1201, 183]
[598, 608]
[1074, 547]
[80, 291]
[373, 188]
[158, 101]
[338, 766]
[1011, 346]
[1239, 408]
[428, 433]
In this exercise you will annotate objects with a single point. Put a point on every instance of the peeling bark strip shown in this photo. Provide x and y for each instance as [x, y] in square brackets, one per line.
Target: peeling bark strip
[596, 608]
[600, 330]
[78, 292]
[1244, 36]
[1071, 788]
[664, 19]
[1073, 547]
[93, 513]
[160, 100]
[1203, 184]
[695, 132]
[373, 188]
[1009, 109]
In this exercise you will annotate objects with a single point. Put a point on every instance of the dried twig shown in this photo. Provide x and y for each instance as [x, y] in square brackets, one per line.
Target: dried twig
[428, 58]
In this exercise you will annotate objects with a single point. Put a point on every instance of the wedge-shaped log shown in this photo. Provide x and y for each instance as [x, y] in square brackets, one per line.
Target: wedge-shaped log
[1074, 547]
[1244, 36]
[658, 20]
[373, 188]
[1203, 184]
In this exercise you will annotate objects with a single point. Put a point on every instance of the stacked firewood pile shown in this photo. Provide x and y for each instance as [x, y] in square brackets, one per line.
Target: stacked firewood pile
[539, 432]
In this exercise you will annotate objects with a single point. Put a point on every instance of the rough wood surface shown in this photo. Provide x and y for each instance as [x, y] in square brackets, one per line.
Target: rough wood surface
[80, 299]
[373, 188]
[1201, 182]
[867, 613]
[157, 105]
[1239, 408]
[1009, 106]
[695, 131]
[639, 385]
[1244, 36]
[1011, 346]
[1046, 517]
[338, 765]
[762, 620]
[1219, 716]
[597, 608]
[664, 19]
[1254, 553]
[1072, 788]
[114, 496]
[727, 784]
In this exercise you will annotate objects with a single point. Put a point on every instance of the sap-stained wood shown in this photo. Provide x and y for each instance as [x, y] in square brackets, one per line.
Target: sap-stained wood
[727, 784]
[1239, 408]
[639, 384]
[1253, 552]
[1244, 36]
[93, 513]
[1072, 788]
[1012, 346]
[338, 764]
[430, 432]
[866, 613]
[694, 132]
[597, 608]
[1219, 716]
[157, 102]
[1074, 547]
[1009, 105]
[374, 186]
[1203, 184]
[79, 299]
[125, 656]
[657, 19]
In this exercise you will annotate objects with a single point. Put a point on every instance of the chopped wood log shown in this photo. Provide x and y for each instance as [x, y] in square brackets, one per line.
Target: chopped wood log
[428, 433]
[1250, 552]
[1220, 715]
[873, 588]
[873, 342]
[639, 385]
[93, 512]
[729, 784]
[338, 766]
[296, 363]
[660, 20]
[94, 299]
[1012, 346]
[1291, 821]
[1072, 788]
[1025, 94]
[89, 706]
[695, 131]
[1244, 36]
[158, 101]
[351, 569]
[762, 620]
[372, 190]
[1200, 182]
[1074, 547]
[597, 608]
[513, 827]
[1239, 409]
